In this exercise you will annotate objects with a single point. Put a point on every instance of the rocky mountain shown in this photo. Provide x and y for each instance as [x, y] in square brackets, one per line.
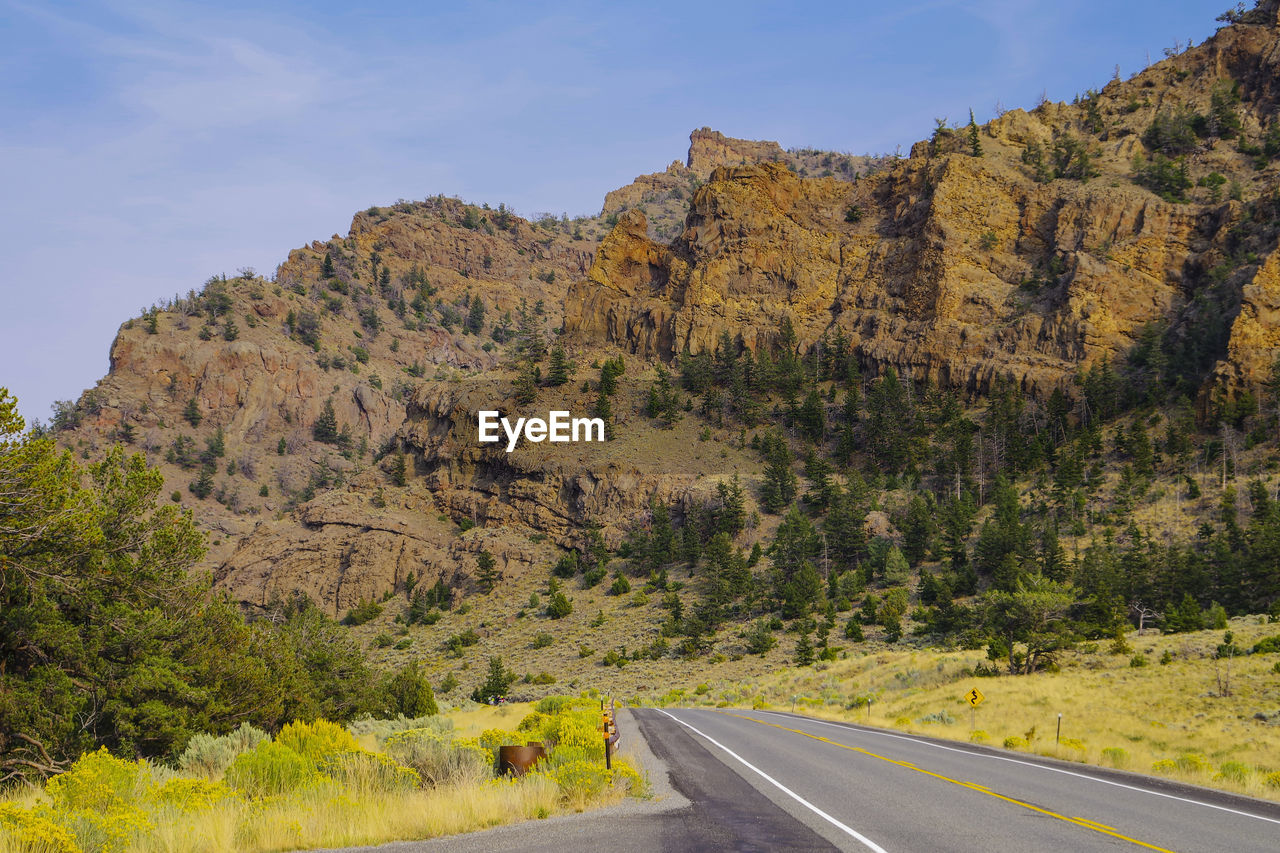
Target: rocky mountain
[321, 422]
[1023, 248]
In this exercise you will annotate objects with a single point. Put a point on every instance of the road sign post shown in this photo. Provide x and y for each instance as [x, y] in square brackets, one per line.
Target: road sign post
[974, 697]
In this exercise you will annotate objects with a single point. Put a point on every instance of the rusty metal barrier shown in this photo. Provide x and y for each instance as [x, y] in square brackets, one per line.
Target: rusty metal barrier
[517, 760]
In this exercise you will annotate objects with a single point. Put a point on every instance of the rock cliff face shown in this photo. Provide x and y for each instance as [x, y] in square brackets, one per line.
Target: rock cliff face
[1031, 255]
[958, 268]
[257, 361]
[663, 197]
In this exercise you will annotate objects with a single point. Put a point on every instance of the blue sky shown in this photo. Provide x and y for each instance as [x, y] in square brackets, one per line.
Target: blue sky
[145, 146]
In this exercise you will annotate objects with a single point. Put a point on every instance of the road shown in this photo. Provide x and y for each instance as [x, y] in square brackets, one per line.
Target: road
[867, 789]
[759, 780]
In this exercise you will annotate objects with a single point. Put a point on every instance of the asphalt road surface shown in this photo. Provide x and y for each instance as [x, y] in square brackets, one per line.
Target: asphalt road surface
[758, 780]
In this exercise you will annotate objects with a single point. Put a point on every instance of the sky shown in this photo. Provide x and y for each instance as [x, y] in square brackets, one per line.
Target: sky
[145, 146]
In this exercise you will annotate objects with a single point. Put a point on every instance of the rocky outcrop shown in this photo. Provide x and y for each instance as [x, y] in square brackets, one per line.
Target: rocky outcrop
[959, 269]
[709, 150]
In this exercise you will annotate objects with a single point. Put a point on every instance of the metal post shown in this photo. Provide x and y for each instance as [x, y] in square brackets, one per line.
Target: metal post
[1058, 737]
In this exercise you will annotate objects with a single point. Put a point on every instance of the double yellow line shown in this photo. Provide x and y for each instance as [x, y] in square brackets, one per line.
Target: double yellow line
[972, 786]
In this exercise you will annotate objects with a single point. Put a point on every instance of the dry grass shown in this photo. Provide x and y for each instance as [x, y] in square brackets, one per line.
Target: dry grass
[1171, 719]
[336, 819]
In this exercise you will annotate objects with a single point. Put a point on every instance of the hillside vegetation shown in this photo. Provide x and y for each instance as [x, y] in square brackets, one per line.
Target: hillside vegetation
[1006, 399]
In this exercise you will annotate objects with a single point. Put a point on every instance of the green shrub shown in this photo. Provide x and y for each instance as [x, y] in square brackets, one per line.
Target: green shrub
[189, 795]
[941, 718]
[383, 730]
[533, 722]
[369, 772]
[363, 612]
[576, 730]
[270, 769]
[491, 739]
[317, 740]
[33, 830]
[559, 704]
[98, 781]
[210, 755]
[581, 781]
[1267, 645]
[1193, 762]
[1015, 742]
[439, 760]
[1235, 772]
[1116, 757]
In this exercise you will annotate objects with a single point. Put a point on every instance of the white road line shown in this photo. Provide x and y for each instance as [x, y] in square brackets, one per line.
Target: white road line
[1085, 776]
[871, 845]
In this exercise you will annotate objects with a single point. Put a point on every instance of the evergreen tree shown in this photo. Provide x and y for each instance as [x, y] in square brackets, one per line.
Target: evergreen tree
[917, 529]
[561, 368]
[325, 429]
[779, 487]
[896, 569]
[796, 581]
[496, 684]
[732, 517]
[326, 266]
[192, 413]
[610, 372]
[811, 418]
[487, 574]
[475, 316]
[975, 145]
[526, 387]
[604, 411]
[804, 650]
[410, 693]
[399, 469]
[202, 486]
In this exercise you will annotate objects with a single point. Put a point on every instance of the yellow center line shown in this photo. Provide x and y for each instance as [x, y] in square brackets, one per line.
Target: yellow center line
[973, 786]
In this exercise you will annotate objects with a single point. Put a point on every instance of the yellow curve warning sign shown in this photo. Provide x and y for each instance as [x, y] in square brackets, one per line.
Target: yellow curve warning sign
[974, 697]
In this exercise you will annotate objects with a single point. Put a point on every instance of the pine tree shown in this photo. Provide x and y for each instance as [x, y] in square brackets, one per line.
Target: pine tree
[192, 413]
[399, 469]
[325, 428]
[779, 486]
[560, 369]
[487, 574]
[604, 411]
[326, 267]
[202, 486]
[917, 530]
[804, 650]
[475, 316]
[975, 145]
[410, 693]
[497, 683]
[732, 517]
[610, 371]
[812, 418]
[526, 387]
[896, 569]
